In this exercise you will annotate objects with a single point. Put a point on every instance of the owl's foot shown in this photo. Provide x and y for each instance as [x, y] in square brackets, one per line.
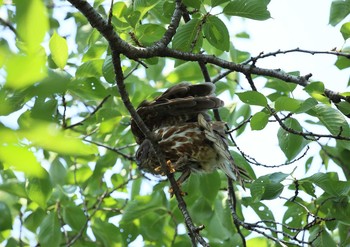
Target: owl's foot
[171, 190]
[170, 166]
[184, 176]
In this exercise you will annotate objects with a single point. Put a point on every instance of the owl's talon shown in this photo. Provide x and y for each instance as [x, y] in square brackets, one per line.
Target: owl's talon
[170, 166]
[171, 191]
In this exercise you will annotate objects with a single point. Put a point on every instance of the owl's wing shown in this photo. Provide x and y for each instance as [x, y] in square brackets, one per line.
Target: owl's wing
[179, 104]
[214, 132]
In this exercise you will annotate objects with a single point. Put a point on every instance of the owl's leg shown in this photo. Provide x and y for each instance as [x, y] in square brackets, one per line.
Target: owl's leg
[170, 166]
[180, 164]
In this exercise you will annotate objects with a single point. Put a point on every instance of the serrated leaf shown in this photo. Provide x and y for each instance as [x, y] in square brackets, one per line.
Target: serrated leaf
[253, 98]
[252, 9]
[285, 103]
[189, 36]
[108, 70]
[259, 121]
[59, 50]
[50, 233]
[147, 34]
[216, 33]
[333, 120]
[290, 144]
[330, 183]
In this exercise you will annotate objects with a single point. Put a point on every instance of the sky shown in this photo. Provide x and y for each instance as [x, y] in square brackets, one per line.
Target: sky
[296, 23]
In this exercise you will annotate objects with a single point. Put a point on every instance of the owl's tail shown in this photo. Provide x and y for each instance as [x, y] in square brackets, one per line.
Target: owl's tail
[214, 132]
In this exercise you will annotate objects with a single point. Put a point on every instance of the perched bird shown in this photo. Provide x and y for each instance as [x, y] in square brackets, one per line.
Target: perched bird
[188, 138]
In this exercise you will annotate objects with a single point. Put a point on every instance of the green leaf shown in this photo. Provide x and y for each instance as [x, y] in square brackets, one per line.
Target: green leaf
[189, 36]
[20, 159]
[259, 121]
[201, 210]
[345, 30]
[216, 33]
[74, 217]
[218, 2]
[192, 3]
[59, 50]
[32, 24]
[315, 87]
[14, 187]
[261, 210]
[210, 185]
[342, 62]
[344, 107]
[49, 231]
[147, 34]
[108, 70]
[144, 6]
[258, 241]
[57, 172]
[339, 10]
[285, 103]
[330, 183]
[306, 105]
[333, 120]
[253, 98]
[53, 138]
[293, 217]
[6, 217]
[252, 9]
[39, 189]
[92, 68]
[185, 72]
[320, 237]
[33, 69]
[106, 233]
[290, 144]
[141, 205]
[281, 86]
[34, 219]
[267, 187]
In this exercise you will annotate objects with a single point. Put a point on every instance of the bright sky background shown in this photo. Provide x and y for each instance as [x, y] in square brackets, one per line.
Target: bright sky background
[296, 23]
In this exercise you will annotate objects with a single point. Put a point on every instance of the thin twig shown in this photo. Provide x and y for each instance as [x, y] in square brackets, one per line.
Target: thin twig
[90, 115]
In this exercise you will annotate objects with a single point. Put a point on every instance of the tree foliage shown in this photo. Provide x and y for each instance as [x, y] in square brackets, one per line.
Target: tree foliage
[71, 76]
